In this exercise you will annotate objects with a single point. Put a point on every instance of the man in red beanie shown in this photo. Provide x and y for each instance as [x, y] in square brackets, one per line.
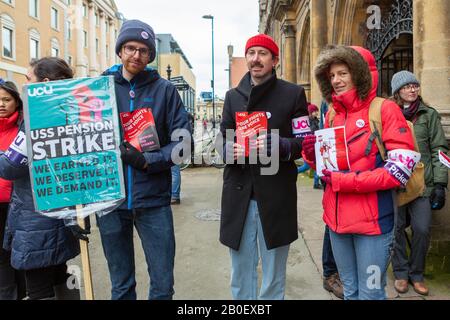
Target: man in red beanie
[259, 211]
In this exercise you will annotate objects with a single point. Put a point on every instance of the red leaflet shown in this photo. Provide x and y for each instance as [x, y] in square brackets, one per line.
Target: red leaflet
[140, 130]
[248, 126]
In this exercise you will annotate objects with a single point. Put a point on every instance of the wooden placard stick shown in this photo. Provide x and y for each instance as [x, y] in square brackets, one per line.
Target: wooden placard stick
[85, 260]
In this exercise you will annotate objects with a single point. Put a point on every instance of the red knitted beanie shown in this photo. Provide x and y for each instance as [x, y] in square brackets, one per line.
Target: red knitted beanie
[263, 40]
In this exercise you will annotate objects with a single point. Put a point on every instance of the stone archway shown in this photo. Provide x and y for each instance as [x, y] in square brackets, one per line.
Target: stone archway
[391, 44]
[304, 56]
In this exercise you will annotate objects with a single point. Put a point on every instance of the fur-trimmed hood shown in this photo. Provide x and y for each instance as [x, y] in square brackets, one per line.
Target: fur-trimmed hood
[362, 67]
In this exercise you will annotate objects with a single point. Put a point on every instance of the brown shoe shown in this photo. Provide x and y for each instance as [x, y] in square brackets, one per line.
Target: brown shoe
[420, 288]
[401, 286]
[333, 284]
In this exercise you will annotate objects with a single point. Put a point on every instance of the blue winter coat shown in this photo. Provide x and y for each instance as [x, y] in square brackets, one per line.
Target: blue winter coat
[152, 188]
[35, 241]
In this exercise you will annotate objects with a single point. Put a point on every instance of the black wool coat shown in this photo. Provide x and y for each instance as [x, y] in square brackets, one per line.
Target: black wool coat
[276, 195]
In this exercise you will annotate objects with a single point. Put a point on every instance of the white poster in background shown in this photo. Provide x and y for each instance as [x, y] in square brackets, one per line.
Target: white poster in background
[445, 159]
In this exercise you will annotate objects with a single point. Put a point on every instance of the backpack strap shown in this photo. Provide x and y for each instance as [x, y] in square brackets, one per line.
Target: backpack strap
[376, 127]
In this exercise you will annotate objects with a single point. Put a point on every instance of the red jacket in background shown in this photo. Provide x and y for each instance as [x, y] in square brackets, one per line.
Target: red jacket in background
[8, 131]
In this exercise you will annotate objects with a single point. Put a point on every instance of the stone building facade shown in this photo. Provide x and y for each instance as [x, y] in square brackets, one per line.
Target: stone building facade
[82, 32]
[403, 34]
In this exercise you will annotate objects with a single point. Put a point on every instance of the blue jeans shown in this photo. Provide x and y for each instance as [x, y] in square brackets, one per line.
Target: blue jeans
[362, 263]
[328, 263]
[303, 168]
[244, 263]
[176, 182]
[155, 229]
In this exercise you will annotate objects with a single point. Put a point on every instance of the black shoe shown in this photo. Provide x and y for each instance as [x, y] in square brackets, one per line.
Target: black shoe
[334, 285]
[318, 186]
[175, 201]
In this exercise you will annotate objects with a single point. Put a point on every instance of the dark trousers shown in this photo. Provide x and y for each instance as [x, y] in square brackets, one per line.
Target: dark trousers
[41, 282]
[12, 282]
[412, 268]
[328, 263]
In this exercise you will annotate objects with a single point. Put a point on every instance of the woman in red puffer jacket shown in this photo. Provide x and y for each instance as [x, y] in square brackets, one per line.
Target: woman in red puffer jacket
[11, 281]
[358, 203]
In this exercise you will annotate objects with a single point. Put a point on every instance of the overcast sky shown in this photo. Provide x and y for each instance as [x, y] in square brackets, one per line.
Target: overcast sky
[234, 22]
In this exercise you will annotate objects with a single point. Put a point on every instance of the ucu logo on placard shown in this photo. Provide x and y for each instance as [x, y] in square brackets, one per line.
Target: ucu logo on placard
[301, 125]
[37, 92]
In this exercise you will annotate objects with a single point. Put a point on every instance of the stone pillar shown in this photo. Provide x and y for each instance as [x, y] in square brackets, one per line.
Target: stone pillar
[93, 70]
[290, 63]
[103, 60]
[80, 61]
[112, 44]
[432, 67]
[432, 54]
[318, 29]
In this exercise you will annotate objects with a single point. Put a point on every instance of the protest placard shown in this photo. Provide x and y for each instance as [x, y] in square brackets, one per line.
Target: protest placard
[445, 159]
[72, 140]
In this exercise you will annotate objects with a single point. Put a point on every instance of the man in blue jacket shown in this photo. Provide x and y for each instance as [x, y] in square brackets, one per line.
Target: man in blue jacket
[147, 174]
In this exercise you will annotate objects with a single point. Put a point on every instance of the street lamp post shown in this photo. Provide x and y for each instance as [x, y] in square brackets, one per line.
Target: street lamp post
[210, 17]
[230, 61]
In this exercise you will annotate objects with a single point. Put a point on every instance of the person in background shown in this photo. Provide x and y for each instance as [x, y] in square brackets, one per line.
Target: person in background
[431, 139]
[12, 282]
[176, 173]
[314, 124]
[39, 245]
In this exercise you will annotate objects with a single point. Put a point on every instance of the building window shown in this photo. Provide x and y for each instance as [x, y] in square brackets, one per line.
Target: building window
[54, 18]
[85, 12]
[33, 8]
[34, 49]
[96, 46]
[8, 48]
[34, 44]
[70, 60]
[97, 20]
[69, 30]
[107, 51]
[10, 2]
[85, 39]
[8, 36]
[55, 48]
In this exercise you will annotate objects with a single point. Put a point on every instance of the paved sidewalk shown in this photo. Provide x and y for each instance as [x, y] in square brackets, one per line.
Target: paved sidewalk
[311, 226]
[202, 264]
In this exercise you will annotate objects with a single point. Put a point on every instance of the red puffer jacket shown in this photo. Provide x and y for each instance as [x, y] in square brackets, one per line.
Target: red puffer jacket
[360, 201]
[8, 131]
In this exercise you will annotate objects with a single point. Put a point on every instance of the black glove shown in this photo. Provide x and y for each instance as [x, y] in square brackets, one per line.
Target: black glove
[77, 231]
[437, 198]
[131, 156]
[283, 144]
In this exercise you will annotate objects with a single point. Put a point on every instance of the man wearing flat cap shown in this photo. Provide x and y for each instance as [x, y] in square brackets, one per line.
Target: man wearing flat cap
[259, 211]
[147, 174]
